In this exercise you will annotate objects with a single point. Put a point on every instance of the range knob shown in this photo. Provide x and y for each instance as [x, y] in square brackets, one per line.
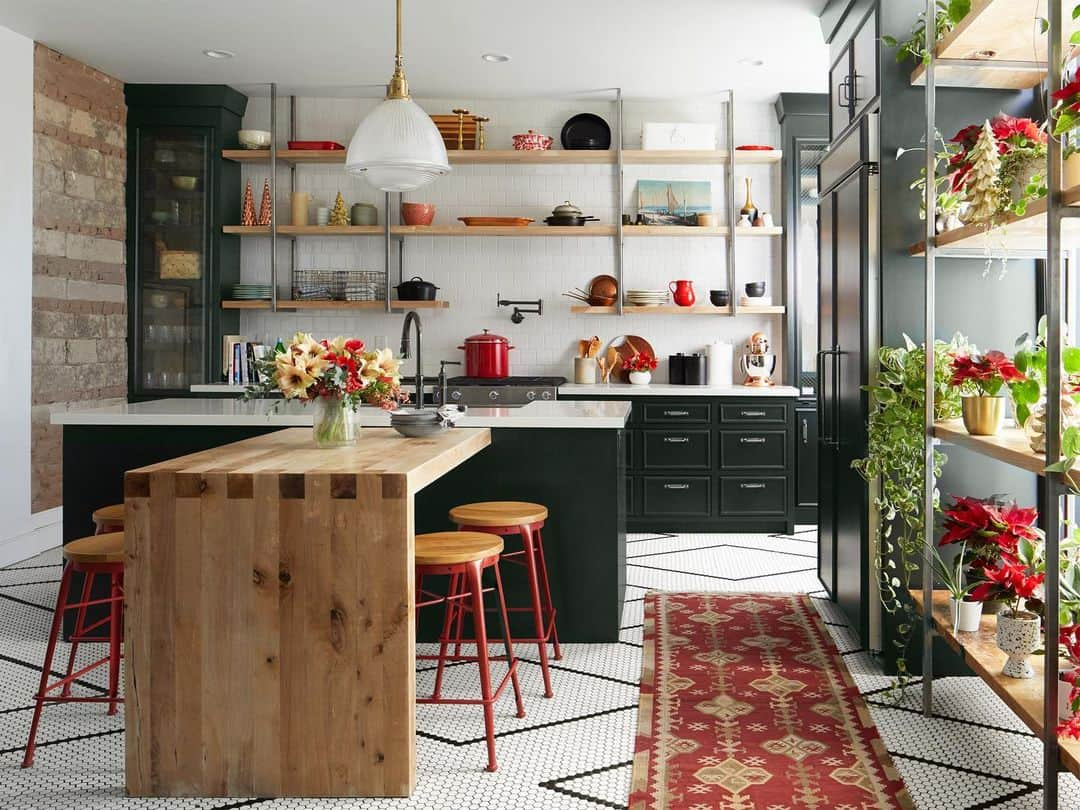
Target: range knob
[545, 395]
[493, 395]
[455, 395]
[530, 395]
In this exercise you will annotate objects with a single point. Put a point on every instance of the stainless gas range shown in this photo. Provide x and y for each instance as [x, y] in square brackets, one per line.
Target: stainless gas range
[508, 392]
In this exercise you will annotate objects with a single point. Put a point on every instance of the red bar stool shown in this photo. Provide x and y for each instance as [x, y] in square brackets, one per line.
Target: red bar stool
[464, 556]
[109, 519]
[508, 518]
[102, 554]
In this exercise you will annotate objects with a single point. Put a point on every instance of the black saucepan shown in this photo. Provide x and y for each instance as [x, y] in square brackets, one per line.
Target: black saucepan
[568, 219]
[416, 289]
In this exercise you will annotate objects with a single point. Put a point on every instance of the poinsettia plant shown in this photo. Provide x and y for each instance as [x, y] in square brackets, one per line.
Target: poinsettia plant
[642, 361]
[989, 529]
[1021, 146]
[983, 374]
[340, 368]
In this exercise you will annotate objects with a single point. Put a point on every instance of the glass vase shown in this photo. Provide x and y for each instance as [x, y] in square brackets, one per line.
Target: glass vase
[335, 423]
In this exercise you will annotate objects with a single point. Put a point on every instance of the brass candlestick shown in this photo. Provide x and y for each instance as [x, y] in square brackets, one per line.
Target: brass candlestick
[480, 121]
[460, 113]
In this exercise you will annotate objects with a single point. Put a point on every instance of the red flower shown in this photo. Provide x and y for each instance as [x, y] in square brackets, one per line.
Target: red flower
[1068, 91]
[964, 520]
[1069, 728]
[1009, 580]
[642, 361]
[1069, 638]
[987, 371]
[354, 346]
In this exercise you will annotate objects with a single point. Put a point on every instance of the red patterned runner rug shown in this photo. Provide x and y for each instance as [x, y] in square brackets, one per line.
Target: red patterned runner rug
[746, 705]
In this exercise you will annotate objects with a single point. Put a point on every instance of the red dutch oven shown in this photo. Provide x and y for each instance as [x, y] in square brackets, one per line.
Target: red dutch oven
[487, 356]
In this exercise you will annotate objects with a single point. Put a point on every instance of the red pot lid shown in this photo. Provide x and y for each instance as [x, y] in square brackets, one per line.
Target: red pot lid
[487, 337]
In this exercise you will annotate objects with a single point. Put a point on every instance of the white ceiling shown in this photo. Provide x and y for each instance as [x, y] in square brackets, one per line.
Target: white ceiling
[659, 48]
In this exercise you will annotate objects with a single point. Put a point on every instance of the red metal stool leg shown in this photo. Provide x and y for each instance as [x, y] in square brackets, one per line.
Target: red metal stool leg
[116, 618]
[80, 629]
[476, 588]
[549, 616]
[444, 638]
[508, 642]
[538, 615]
[46, 668]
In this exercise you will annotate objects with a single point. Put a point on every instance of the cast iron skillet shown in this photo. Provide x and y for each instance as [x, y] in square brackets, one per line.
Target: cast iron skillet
[569, 220]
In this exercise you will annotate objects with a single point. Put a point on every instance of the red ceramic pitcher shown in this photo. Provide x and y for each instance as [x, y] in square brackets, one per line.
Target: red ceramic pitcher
[683, 292]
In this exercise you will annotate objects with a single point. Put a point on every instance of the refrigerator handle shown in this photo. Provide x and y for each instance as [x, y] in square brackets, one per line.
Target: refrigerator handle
[828, 429]
[820, 402]
[834, 442]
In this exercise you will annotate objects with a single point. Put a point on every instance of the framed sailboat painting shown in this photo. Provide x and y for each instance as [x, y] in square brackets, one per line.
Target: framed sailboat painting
[673, 202]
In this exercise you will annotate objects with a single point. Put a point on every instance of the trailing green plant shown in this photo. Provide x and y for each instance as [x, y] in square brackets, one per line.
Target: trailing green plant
[949, 14]
[895, 459]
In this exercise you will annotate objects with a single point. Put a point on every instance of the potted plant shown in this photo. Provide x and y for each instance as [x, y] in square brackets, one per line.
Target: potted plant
[337, 376]
[964, 611]
[980, 378]
[1066, 117]
[949, 13]
[1020, 144]
[1017, 576]
[641, 366]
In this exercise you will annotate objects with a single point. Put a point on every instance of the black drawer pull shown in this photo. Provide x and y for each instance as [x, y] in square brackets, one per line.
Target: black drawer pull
[676, 413]
[752, 486]
[679, 486]
[752, 413]
[752, 440]
[676, 439]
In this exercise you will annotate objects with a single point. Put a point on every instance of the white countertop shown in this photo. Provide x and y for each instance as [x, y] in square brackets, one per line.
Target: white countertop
[237, 413]
[665, 390]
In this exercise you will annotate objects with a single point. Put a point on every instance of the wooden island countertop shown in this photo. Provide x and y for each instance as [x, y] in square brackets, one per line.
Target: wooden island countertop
[269, 615]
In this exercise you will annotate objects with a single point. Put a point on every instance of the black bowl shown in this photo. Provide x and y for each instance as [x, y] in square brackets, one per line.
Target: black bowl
[755, 289]
[720, 298]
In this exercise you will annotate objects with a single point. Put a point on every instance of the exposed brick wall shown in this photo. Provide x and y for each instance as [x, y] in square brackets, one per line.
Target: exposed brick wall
[80, 321]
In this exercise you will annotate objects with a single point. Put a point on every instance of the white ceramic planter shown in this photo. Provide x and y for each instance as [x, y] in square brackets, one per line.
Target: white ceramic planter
[1018, 636]
[969, 618]
[1071, 175]
[640, 377]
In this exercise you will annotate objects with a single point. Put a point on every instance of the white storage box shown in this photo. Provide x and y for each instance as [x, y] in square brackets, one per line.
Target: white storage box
[655, 136]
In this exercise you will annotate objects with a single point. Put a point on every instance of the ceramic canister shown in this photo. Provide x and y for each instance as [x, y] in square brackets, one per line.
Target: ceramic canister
[300, 200]
[721, 363]
[585, 370]
[365, 214]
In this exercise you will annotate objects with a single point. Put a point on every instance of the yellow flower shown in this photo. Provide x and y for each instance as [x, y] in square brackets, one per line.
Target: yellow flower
[382, 363]
[304, 345]
[314, 366]
[293, 380]
[337, 345]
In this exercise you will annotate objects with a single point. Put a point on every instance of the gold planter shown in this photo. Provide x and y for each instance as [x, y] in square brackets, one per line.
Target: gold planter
[983, 416]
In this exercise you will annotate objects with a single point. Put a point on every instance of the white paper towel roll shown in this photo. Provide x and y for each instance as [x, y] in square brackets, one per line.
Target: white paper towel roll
[721, 363]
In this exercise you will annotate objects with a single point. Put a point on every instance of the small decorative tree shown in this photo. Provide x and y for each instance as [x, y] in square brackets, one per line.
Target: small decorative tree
[984, 184]
[247, 215]
[339, 215]
[266, 207]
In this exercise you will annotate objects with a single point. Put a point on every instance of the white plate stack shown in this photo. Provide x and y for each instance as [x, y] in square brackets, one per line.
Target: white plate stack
[646, 298]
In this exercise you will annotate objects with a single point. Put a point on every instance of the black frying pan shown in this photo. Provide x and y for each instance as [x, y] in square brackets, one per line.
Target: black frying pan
[568, 219]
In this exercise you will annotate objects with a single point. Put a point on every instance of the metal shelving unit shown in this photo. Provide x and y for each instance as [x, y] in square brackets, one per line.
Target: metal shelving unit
[1006, 449]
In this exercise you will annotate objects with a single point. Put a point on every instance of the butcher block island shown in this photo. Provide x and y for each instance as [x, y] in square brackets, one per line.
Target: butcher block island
[269, 630]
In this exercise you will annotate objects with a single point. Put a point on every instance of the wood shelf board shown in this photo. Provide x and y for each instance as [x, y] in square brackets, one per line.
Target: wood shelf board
[1005, 27]
[980, 651]
[1010, 234]
[551, 157]
[673, 309]
[636, 231]
[1009, 446]
[497, 230]
[290, 306]
[694, 230]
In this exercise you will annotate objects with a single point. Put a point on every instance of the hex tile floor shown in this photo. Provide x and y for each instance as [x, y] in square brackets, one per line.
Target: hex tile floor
[572, 751]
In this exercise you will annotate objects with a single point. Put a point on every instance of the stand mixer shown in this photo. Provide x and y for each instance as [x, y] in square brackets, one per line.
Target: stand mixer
[758, 364]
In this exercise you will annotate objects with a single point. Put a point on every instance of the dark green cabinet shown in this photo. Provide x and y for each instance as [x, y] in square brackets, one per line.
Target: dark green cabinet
[179, 193]
[703, 464]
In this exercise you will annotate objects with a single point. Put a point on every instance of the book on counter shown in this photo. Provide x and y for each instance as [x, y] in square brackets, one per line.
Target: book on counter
[240, 360]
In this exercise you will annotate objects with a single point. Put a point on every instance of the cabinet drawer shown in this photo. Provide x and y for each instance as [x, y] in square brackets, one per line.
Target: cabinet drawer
[757, 449]
[765, 495]
[696, 413]
[757, 414]
[675, 496]
[676, 449]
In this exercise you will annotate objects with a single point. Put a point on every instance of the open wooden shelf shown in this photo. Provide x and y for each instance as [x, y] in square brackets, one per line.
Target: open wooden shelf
[664, 231]
[980, 651]
[350, 305]
[1010, 446]
[498, 230]
[1002, 37]
[549, 157]
[1010, 235]
[672, 309]
[305, 230]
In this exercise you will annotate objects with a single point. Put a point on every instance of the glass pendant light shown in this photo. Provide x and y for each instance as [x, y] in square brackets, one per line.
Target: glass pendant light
[397, 146]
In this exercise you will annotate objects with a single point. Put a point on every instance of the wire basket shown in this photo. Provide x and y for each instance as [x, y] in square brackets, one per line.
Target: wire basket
[338, 285]
[363, 285]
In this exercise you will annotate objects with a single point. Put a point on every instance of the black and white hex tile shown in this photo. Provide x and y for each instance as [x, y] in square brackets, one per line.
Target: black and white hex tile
[572, 752]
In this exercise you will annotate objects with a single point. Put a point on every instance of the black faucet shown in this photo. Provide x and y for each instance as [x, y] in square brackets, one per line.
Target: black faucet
[442, 379]
[406, 352]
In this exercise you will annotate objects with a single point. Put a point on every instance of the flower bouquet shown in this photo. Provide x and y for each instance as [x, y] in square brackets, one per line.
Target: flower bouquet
[980, 377]
[337, 376]
[641, 366]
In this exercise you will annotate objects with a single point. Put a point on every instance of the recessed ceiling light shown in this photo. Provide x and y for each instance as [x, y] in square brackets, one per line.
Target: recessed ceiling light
[495, 57]
[748, 62]
[217, 53]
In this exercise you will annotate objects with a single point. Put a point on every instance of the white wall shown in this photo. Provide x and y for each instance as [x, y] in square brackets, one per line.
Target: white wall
[471, 271]
[21, 534]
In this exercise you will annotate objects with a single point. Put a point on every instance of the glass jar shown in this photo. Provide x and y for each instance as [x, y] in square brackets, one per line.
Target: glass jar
[335, 422]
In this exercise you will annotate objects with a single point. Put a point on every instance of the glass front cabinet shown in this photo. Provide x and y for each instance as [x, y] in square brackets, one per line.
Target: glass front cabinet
[179, 192]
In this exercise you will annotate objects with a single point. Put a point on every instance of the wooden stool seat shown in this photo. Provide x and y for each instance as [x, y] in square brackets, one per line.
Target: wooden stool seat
[453, 548]
[499, 513]
[114, 513]
[100, 548]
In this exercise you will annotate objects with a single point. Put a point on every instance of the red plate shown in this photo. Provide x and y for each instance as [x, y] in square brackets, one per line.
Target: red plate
[754, 147]
[315, 145]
